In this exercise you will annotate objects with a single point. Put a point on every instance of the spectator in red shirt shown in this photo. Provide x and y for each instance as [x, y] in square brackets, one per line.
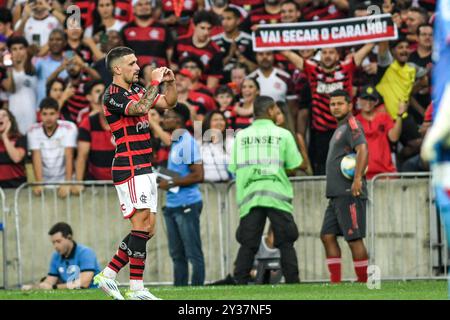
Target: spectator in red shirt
[201, 46]
[324, 77]
[150, 39]
[178, 13]
[204, 95]
[319, 10]
[380, 131]
[12, 152]
[269, 14]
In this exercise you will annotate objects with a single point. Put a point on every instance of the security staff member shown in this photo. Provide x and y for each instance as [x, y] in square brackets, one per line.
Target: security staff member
[263, 155]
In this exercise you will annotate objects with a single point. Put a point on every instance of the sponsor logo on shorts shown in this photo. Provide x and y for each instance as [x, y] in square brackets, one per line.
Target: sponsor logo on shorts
[122, 207]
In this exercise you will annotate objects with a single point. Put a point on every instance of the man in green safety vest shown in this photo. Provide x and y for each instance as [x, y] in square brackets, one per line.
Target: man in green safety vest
[262, 158]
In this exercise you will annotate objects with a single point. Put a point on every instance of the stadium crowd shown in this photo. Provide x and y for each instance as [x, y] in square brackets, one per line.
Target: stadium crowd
[53, 76]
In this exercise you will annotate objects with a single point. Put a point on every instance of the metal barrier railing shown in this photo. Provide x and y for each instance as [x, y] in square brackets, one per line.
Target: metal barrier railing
[96, 220]
[396, 240]
[400, 203]
[4, 210]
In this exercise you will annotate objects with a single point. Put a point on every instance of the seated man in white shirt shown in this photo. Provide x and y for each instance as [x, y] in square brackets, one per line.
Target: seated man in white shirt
[52, 143]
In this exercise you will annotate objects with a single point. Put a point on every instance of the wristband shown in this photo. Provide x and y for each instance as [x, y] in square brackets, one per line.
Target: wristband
[155, 83]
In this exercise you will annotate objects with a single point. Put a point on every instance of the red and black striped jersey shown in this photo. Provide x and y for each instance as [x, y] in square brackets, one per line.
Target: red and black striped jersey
[155, 36]
[322, 84]
[210, 55]
[259, 16]
[77, 102]
[102, 148]
[131, 133]
[201, 95]
[325, 12]
[238, 121]
[84, 52]
[12, 174]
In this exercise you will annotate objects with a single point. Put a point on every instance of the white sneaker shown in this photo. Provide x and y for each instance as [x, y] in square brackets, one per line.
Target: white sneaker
[108, 285]
[140, 295]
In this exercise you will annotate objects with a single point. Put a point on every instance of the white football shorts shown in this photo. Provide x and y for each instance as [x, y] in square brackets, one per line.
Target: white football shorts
[139, 192]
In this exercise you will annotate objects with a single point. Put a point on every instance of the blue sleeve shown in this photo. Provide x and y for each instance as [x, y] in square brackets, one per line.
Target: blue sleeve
[88, 260]
[53, 270]
[195, 157]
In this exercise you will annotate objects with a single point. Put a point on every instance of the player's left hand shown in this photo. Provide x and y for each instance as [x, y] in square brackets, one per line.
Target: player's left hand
[169, 76]
[163, 184]
[356, 187]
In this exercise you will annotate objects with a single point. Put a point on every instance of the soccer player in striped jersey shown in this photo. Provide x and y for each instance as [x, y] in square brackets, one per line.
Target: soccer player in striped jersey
[126, 107]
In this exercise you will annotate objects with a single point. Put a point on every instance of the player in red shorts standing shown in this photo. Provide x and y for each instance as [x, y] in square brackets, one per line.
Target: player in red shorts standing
[126, 107]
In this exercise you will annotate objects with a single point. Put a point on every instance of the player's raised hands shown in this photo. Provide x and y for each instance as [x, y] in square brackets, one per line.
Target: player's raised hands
[158, 74]
[169, 76]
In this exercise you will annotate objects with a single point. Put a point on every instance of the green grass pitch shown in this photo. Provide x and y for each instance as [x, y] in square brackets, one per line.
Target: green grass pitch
[390, 290]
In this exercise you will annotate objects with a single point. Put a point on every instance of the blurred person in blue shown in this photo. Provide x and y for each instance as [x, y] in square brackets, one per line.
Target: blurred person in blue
[72, 266]
[184, 200]
[436, 146]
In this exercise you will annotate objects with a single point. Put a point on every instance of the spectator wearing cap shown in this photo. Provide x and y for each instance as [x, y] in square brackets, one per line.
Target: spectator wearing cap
[236, 45]
[188, 96]
[397, 79]
[183, 204]
[380, 131]
[145, 32]
[200, 45]
[204, 95]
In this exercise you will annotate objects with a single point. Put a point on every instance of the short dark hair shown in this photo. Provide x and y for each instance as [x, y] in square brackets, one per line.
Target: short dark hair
[48, 103]
[49, 85]
[224, 89]
[182, 111]
[203, 16]
[193, 59]
[297, 6]
[17, 40]
[91, 84]
[5, 16]
[341, 93]
[261, 105]
[115, 54]
[254, 81]
[62, 227]
[395, 43]
[237, 14]
[421, 11]
[423, 25]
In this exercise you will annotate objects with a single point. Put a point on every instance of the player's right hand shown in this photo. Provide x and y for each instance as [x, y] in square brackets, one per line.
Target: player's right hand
[158, 74]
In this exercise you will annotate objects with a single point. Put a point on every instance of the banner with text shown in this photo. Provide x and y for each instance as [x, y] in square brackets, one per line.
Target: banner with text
[322, 34]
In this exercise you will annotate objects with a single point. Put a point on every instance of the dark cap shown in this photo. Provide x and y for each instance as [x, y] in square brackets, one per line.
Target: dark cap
[369, 92]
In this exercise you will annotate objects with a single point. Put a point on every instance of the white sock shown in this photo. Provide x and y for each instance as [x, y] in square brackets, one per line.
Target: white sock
[109, 273]
[136, 285]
